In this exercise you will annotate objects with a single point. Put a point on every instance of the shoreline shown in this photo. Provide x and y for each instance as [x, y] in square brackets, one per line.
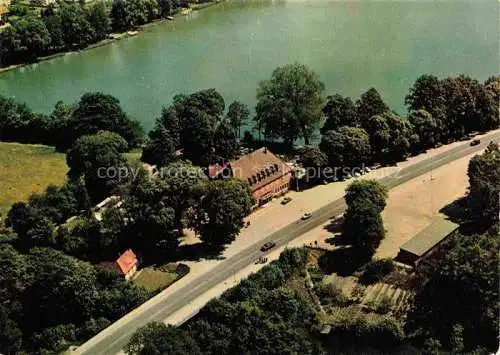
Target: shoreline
[117, 37]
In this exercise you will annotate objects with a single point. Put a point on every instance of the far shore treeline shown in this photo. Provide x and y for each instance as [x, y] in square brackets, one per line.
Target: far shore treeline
[352, 131]
[36, 31]
[53, 293]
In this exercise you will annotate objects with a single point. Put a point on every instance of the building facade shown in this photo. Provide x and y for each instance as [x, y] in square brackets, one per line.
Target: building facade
[267, 175]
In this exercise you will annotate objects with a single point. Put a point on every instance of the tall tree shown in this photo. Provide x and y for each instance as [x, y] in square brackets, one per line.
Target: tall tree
[484, 187]
[98, 159]
[222, 206]
[339, 111]
[363, 225]
[369, 104]
[289, 103]
[238, 115]
[460, 291]
[158, 338]
[160, 149]
[95, 112]
[98, 19]
[346, 147]
[177, 182]
[427, 94]
[63, 290]
[225, 142]
[76, 29]
[367, 190]
[426, 127]
[391, 136]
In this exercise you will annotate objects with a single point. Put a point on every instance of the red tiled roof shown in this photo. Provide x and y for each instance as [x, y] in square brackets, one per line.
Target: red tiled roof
[259, 168]
[214, 170]
[127, 261]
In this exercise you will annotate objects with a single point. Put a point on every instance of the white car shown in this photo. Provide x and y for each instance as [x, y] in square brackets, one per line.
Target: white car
[356, 175]
[348, 176]
[367, 169]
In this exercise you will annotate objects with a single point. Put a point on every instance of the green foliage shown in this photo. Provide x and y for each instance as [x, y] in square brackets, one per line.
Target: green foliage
[193, 123]
[237, 115]
[160, 150]
[484, 189]
[158, 338]
[376, 270]
[355, 329]
[289, 103]
[98, 159]
[225, 142]
[99, 112]
[346, 147]
[367, 191]
[330, 294]
[31, 226]
[391, 136]
[260, 321]
[425, 127]
[218, 216]
[369, 104]
[178, 183]
[460, 298]
[339, 111]
[363, 225]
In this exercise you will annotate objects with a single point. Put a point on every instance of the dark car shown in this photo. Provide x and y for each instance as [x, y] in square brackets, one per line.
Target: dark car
[267, 246]
[286, 200]
[306, 216]
[475, 142]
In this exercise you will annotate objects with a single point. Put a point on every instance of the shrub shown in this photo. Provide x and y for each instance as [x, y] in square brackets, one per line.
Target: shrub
[330, 294]
[376, 270]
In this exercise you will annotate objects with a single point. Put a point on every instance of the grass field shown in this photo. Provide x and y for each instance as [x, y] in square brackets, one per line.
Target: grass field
[26, 169]
[153, 279]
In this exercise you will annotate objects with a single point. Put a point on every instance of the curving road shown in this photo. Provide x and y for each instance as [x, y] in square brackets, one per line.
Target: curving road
[114, 338]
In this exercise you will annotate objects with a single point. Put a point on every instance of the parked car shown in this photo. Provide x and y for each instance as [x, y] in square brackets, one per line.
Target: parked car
[367, 169]
[475, 142]
[286, 200]
[347, 176]
[267, 246]
[357, 175]
[306, 216]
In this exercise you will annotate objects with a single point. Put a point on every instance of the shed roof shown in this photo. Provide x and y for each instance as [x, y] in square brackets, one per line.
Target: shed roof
[430, 236]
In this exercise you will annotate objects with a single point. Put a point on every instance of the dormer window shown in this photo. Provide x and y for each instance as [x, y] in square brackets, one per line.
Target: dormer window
[250, 181]
[254, 179]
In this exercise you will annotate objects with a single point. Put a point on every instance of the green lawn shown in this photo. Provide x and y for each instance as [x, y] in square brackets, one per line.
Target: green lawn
[153, 279]
[26, 169]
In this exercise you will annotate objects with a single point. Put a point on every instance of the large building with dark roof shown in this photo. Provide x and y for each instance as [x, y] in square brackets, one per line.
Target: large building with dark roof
[267, 175]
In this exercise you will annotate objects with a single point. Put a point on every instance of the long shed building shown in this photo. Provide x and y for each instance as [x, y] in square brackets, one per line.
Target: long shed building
[414, 250]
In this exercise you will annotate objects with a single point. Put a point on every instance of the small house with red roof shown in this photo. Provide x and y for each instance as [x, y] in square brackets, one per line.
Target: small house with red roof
[126, 264]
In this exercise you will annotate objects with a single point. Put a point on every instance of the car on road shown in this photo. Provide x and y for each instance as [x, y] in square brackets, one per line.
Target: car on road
[475, 142]
[306, 216]
[367, 169]
[267, 246]
[286, 200]
[347, 176]
[357, 175]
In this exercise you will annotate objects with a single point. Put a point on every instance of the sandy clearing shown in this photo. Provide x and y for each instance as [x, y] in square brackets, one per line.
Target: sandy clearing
[411, 206]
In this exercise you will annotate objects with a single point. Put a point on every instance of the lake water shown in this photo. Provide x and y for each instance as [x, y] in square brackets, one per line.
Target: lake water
[352, 45]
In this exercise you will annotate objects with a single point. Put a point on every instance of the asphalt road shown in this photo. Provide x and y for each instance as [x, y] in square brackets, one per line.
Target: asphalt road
[115, 340]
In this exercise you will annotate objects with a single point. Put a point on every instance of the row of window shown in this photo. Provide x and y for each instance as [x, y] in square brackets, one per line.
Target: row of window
[261, 175]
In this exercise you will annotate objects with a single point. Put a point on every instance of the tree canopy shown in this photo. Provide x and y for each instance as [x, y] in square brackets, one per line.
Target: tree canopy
[346, 147]
[289, 103]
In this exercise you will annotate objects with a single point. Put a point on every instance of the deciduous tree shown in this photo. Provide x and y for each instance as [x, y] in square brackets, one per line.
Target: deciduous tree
[289, 103]
[346, 147]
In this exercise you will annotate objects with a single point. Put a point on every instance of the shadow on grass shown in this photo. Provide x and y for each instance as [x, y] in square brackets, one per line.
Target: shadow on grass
[343, 261]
